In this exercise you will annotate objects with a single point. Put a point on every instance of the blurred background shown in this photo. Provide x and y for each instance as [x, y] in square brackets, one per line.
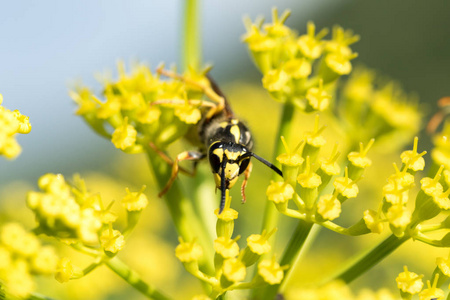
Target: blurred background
[48, 46]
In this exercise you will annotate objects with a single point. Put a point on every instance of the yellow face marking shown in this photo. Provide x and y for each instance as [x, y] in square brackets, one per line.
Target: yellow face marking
[219, 153]
[223, 124]
[231, 171]
[235, 121]
[234, 130]
[231, 155]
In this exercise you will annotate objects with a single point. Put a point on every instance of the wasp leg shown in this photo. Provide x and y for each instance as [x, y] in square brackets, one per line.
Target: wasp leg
[206, 89]
[169, 161]
[186, 155]
[244, 183]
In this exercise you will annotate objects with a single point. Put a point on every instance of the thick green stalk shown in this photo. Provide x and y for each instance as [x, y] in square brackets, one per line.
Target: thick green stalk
[366, 261]
[293, 248]
[130, 276]
[191, 56]
[187, 223]
[271, 215]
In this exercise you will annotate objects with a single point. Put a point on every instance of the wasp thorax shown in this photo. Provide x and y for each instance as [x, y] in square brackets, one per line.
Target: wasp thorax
[228, 160]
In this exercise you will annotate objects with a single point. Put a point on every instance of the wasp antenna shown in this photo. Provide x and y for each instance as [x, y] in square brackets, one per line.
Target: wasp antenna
[222, 190]
[270, 165]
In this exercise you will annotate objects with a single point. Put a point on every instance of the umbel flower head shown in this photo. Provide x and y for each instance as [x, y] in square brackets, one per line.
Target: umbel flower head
[142, 107]
[299, 69]
[11, 123]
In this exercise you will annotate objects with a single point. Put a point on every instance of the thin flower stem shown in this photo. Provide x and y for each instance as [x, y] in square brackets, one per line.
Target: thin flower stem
[367, 260]
[271, 214]
[191, 55]
[130, 276]
[181, 209]
[36, 296]
[292, 251]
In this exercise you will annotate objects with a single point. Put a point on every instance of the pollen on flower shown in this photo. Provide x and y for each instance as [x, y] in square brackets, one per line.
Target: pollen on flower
[135, 201]
[310, 44]
[372, 221]
[309, 179]
[409, 282]
[188, 251]
[11, 123]
[226, 247]
[329, 207]
[432, 292]
[275, 80]
[259, 243]
[234, 270]
[431, 186]
[413, 160]
[124, 136]
[398, 216]
[318, 98]
[359, 159]
[270, 271]
[345, 186]
[279, 192]
[112, 240]
[290, 158]
[65, 270]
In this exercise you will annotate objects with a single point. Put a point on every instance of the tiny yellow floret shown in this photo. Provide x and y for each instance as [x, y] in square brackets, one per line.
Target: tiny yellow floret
[188, 251]
[329, 207]
[124, 136]
[279, 192]
[270, 271]
[112, 240]
[409, 282]
[372, 221]
[234, 270]
[135, 201]
[64, 270]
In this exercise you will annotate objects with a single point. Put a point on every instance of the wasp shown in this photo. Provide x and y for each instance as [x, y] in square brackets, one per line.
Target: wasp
[225, 141]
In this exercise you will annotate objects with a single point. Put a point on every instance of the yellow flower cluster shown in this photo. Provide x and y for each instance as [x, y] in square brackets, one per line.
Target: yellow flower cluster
[142, 107]
[230, 261]
[73, 214]
[11, 122]
[21, 256]
[306, 175]
[368, 109]
[300, 69]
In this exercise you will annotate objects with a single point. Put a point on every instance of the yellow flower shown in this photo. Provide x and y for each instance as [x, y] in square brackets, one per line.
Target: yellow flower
[279, 192]
[259, 243]
[65, 270]
[329, 207]
[432, 292]
[18, 240]
[345, 186]
[234, 270]
[112, 240]
[409, 282]
[124, 136]
[108, 109]
[318, 98]
[275, 80]
[413, 160]
[309, 179]
[226, 247]
[188, 251]
[309, 44]
[188, 114]
[372, 221]
[19, 281]
[297, 68]
[442, 200]
[135, 201]
[398, 216]
[270, 271]
[359, 159]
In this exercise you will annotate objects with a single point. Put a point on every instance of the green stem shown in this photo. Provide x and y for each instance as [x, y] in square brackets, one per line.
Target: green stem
[182, 211]
[292, 251]
[271, 214]
[191, 55]
[367, 260]
[130, 276]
